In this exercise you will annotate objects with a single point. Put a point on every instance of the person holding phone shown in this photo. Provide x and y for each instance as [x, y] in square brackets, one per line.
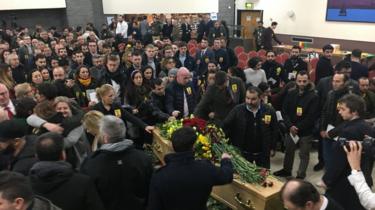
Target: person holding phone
[356, 178]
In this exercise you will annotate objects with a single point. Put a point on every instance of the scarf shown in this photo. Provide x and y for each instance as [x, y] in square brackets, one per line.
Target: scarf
[85, 82]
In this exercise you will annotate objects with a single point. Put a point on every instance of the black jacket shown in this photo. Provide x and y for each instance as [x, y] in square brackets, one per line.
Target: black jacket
[174, 94]
[79, 91]
[121, 176]
[295, 65]
[222, 58]
[185, 184]
[158, 101]
[186, 30]
[26, 158]
[358, 71]
[189, 62]
[301, 110]
[119, 77]
[323, 69]
[268, 35]
[329, 114]
[221, 102]
[325, 85]
[235, 125]
[118, 111]
[275, 73]
[57, 182]
[336, 178]
[19, 74]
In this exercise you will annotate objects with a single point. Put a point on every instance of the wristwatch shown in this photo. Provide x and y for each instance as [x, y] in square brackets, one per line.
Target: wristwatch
[354, 171]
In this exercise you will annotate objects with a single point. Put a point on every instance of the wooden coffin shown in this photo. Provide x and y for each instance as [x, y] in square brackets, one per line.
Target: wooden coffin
[237, 195]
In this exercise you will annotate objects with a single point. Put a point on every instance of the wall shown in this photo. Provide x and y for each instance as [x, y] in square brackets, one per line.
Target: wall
[159, 6]
[226, 11]
[28, 18]
[309, 20]
[36, 4]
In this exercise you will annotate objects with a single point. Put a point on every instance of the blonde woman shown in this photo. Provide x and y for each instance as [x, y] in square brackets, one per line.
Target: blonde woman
[90, 123]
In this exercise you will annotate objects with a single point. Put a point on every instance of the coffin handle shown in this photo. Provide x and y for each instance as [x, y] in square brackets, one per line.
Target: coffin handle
[157, 147]
[246, 205]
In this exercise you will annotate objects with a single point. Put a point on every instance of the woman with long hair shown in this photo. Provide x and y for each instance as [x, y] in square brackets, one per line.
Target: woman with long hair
[35, 79]
[7, 79]
[136, 93]
[83, 82]
[148, 79]
[90, 123]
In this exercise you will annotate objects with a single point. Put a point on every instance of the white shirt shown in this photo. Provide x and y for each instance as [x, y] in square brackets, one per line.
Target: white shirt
[122, 28]
[186, 106]
[255, 77]
[324, 204]
[11, 107]
[366, 197]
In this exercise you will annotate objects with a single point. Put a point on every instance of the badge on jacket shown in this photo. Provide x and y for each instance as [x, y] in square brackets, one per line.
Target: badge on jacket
[206, 60]
[278, 71]
[234, 88]
[118, 112]
[299, 111]
[267, 119]
[188, 90]
[221, 59]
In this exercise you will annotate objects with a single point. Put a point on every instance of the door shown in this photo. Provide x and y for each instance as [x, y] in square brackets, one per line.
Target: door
[248, 20]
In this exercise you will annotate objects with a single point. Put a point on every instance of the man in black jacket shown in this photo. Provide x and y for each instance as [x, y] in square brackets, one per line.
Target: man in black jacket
[220, 98]
[324, 67]
[120, 172]
[294, 64]
[19, 72]
[268, 35]
[299, 194]
[258, 35]
[329, 117]
[275, 72]
[323, 87]
[180, 95]
[351, 109]
[115, 76]
[17, 149]
[53, 178]
[252, 127]
[233, 60]
[358, 70]
[300, 110]
[221, 55]
[189, 182]
[183, 59]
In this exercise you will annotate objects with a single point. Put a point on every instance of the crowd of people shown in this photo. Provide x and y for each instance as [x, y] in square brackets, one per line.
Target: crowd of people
[77, 108]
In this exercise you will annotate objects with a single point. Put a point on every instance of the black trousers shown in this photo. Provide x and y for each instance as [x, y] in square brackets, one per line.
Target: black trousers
[259, 158]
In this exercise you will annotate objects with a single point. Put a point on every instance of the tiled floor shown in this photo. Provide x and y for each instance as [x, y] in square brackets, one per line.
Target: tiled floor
[311, 175]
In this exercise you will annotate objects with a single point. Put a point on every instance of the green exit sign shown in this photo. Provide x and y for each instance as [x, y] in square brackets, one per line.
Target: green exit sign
[249, 5]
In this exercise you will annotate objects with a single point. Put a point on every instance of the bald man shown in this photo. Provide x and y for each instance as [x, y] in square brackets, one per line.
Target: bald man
[180, 95]
[302, 195]
[6, 105]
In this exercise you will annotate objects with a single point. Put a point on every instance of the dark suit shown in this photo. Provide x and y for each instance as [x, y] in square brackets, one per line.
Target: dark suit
[268, 35]
[203, 57]
[174, 94]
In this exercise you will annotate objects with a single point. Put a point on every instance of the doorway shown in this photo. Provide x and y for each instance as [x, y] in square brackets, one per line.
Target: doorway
[248, 20]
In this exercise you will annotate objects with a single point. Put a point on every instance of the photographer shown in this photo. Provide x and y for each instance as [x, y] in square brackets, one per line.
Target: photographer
[351, 109]
[356, 178]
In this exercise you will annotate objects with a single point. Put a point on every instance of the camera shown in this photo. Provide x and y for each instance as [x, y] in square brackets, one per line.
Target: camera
[368, 145]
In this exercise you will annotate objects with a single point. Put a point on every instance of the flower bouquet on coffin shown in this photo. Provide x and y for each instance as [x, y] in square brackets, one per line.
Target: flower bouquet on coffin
[211, 144]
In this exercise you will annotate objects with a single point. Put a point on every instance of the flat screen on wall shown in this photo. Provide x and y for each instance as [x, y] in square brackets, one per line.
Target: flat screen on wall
[351, 10]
